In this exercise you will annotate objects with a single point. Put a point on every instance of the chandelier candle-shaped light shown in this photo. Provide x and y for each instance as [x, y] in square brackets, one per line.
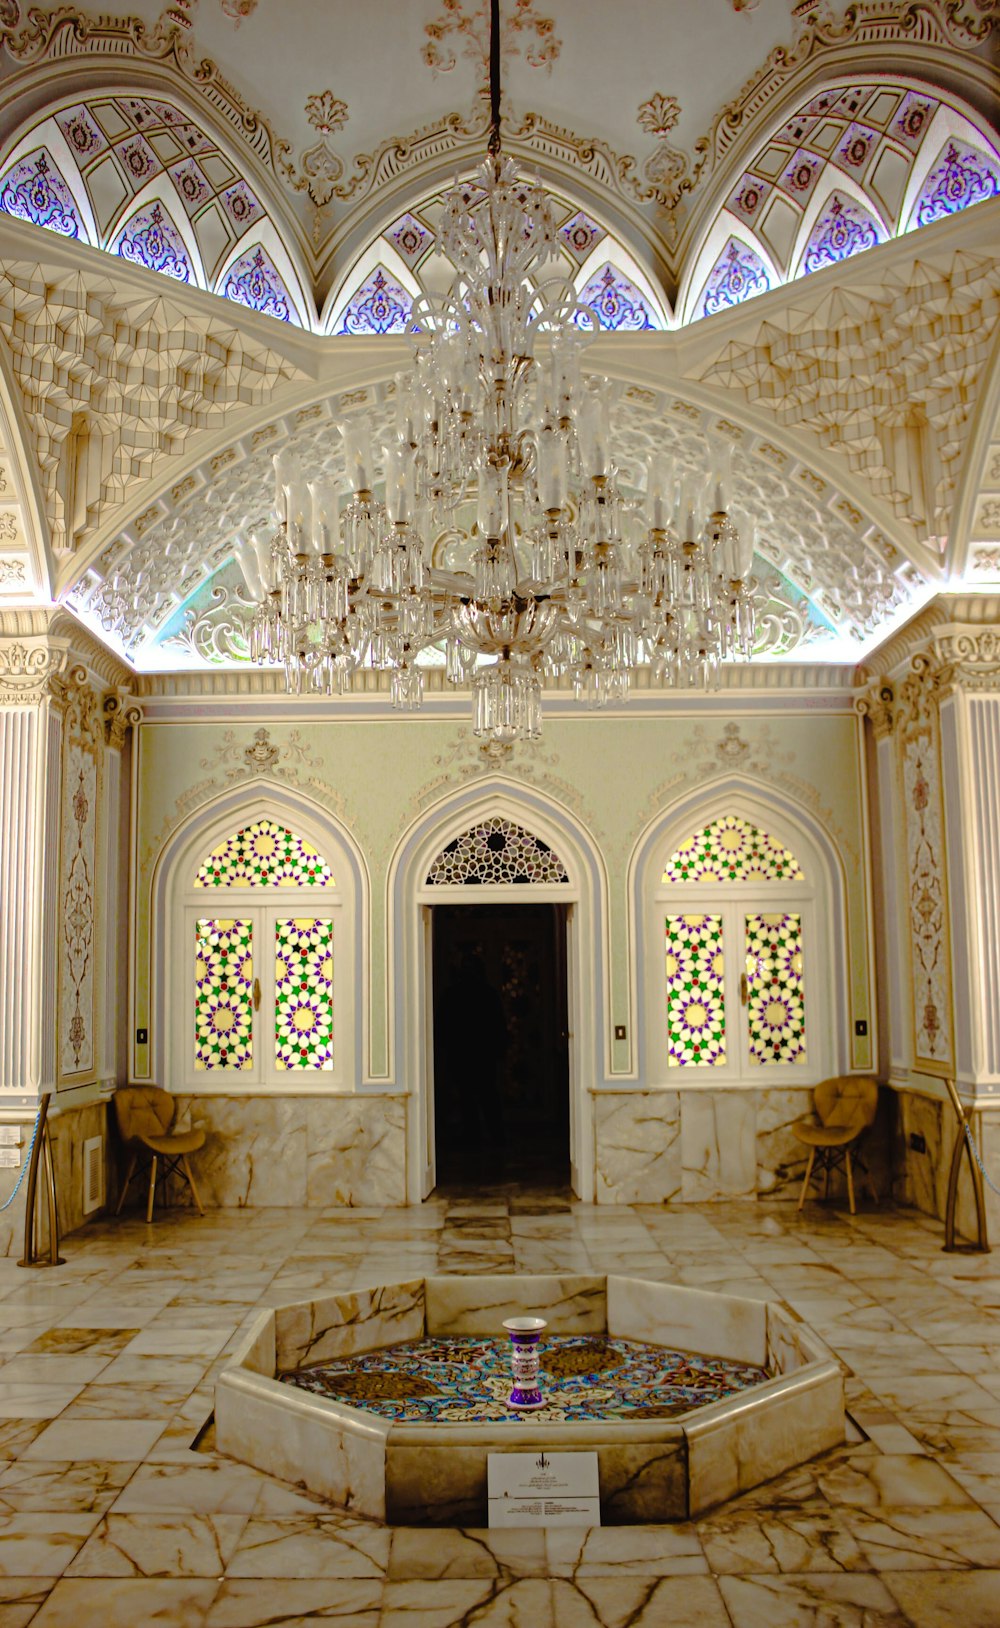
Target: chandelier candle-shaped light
[502, 446]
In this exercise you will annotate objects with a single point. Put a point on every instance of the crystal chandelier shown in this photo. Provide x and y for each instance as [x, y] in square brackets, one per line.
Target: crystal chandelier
[501, 441]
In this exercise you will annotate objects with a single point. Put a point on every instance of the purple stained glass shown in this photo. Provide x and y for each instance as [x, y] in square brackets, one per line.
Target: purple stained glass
[410, 237]
[378, 307]
[152, 240]
[738, 274]
[579, 234]
[253, 281]
[748, 197]
[801, 174]
[963, 176]
[616, 301]
[34, 190]
[913, 118]
[190, 183]
[844, 228]
[81, 132]
[139, 161]
[853, 150]
[241, 206]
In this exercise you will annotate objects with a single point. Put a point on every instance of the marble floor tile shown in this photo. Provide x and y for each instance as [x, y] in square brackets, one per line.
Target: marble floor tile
[780, 1541]
[41, 1545]
[926, 1539]
[159, 1545]
[488, 1603]
[353, 1602]
[638, 1602]
[448, 1553]
[819, 1600]
[20, 1598]
[100, 1401]
[177, 1342]
[620, 1551]
[890, 1481]
[117, 1602]
[53, 1368]
[220, 1487]
[113, 1440]
[308, 1546]
[947, 1599]
[71, 1489]
[91, 1342]
[23, 1399]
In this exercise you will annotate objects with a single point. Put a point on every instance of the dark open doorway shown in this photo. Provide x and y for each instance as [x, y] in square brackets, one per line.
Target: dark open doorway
[501, 1048]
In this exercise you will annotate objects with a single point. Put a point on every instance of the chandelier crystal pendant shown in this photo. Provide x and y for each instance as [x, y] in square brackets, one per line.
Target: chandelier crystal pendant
[501, 443]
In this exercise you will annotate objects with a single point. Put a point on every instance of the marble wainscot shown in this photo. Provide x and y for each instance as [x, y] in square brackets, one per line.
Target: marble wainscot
[651, 1470]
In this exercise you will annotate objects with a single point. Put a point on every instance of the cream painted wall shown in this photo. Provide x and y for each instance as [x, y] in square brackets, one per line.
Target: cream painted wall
[612, 776]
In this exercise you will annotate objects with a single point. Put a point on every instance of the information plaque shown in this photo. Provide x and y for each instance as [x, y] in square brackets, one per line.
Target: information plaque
[543, 1489]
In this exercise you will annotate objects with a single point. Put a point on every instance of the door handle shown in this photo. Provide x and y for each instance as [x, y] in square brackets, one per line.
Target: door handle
[256, 994]
[744, 989]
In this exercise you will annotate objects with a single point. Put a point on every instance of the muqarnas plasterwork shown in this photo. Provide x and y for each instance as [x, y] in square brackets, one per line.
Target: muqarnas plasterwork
[223, 1001]
[927, 902]
[696, 1008]
[303, 985]
[496, 850]
[730, 849]
[264, 854]
[776, 1012]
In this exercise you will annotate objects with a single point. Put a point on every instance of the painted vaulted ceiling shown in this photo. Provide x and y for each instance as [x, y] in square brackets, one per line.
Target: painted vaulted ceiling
[215, 216]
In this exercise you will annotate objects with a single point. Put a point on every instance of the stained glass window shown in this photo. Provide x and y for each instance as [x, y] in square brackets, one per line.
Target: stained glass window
[732, 850]
[580, 234]
[264, 855]
[253, 281]
[738, 274]
[776, 1015]
[303, 994]
[844, 228]
[152, 240]
[616, 301]
[696, 1013]
[380, 306]
[962, 176]
[498, 851]
[223, 1004]
[34, 190]
[410, 237]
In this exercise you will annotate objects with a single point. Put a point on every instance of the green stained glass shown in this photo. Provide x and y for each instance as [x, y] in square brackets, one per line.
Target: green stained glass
[696, 1015]
[264, 855]
[732, 850]
[776, 1011]
[223, 1002]
[303, 986]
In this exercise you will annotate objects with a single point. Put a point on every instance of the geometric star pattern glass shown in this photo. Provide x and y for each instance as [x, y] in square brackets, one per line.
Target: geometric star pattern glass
[776, 1013]
[264, 855]
[223, 1002]
[380, 306]
[497, 851]
[696, 1014]
[732, 850]
[303, 994]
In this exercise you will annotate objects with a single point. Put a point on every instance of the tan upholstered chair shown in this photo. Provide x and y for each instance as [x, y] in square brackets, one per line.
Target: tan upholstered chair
[145, 1116]
[845, 1107]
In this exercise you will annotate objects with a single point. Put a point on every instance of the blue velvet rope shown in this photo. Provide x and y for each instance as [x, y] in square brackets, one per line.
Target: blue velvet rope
[25, 1165]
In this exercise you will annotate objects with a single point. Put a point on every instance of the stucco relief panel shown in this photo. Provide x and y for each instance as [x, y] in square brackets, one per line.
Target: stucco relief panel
[929, 944]
[80, 812]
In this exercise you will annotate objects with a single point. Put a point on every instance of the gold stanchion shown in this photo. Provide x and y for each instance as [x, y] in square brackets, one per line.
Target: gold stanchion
[962, 1144]
[41, 1152]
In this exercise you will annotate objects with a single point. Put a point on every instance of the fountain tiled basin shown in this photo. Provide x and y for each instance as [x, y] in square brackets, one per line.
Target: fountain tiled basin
[665, 1463]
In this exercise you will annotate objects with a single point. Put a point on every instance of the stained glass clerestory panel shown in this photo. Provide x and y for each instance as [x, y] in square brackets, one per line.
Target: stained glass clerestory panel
[732, 850]
[496, 851]
[264, 854]
[696, 1013]
[223, 1004]
[776, 1014]
[303, 994]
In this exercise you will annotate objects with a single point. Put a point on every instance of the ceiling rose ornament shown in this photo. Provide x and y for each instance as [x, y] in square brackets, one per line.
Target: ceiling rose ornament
[474, 29]
[502, 444]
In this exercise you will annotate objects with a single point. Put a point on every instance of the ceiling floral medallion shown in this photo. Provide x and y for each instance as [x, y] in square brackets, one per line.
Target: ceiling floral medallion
[318, 170]
[659, 114]
[469, 28]
[238, 9]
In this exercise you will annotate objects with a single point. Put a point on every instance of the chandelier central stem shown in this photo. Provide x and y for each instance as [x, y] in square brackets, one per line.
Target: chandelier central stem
[493, 146]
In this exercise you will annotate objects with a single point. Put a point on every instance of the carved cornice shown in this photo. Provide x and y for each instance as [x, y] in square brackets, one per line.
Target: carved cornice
[121, 713]
[968, 660]
[44, 650]
[968, 613]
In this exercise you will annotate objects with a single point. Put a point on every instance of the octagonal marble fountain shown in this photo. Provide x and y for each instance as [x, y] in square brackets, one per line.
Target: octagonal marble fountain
[747, 1391]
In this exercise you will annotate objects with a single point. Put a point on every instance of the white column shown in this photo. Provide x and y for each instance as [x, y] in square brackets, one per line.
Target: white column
[29, 866]
[970, 752]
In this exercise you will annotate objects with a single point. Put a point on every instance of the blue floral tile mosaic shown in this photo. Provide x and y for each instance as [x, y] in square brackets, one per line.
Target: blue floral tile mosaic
[467, 1379]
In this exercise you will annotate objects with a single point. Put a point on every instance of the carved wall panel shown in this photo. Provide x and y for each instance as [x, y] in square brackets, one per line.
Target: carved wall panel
[83, 747]
[927, 903]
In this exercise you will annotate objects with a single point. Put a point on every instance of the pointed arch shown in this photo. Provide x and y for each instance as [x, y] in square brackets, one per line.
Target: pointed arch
[150, 237]
[379, 256]
[621, 293]
[841, 227]
[171, 877]
[260, 275]
[34, 189]
[584, 892]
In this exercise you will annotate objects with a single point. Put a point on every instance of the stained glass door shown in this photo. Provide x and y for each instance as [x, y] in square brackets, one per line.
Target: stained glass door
[773, 988]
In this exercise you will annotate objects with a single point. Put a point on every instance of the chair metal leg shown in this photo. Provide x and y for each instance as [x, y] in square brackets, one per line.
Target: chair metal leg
[190, 1176]
[827, 1166]
[850, 1179]
[128, 1177]
[152, 1190]
[805, 1179]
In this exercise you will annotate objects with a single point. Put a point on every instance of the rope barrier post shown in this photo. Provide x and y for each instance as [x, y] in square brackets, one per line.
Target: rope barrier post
[41, 1152]
[964, 1145]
